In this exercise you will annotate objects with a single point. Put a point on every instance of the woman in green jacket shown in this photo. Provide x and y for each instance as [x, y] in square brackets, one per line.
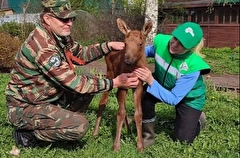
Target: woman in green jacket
[177, 81]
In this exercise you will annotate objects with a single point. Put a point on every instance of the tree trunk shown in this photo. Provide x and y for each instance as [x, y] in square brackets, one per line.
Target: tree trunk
[113, 7]
[151, 13]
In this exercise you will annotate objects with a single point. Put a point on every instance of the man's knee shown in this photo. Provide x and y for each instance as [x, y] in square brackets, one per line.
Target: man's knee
[78, 131]
[81, 130]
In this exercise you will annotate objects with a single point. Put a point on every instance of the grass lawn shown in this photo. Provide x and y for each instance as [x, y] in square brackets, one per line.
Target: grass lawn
[219, 140]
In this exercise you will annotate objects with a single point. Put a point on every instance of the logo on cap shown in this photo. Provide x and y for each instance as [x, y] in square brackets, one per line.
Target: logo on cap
[190, 30]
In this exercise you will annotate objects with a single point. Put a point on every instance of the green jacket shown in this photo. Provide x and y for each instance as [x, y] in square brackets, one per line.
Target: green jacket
[168, 68]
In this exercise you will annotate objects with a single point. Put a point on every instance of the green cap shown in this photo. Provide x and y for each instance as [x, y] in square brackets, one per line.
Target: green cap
[189, 34]
[61, 8]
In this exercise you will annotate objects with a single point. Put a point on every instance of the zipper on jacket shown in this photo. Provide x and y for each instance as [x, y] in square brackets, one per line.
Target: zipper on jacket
[166, 72]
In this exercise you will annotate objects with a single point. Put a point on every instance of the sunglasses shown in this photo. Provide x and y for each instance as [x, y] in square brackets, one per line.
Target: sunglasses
[66, 20]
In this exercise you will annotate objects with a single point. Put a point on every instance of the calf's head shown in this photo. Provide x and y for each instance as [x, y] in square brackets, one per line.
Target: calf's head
[134, 41]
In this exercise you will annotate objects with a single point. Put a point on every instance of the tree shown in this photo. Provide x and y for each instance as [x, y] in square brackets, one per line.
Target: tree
[151, 13]
[24, 8]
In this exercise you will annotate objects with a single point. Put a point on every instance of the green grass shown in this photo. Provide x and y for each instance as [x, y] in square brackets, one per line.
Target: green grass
[219, 140]
[222, 60]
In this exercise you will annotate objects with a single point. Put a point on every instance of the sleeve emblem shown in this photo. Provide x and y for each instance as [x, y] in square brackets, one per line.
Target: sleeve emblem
[55, 61]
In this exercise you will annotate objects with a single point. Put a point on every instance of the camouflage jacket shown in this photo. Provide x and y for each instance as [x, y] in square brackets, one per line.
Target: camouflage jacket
[41, 72]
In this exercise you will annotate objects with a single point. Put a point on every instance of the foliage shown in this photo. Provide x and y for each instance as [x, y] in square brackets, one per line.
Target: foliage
[14, 33]
[16, 29]
[26, 29]
[133, 7]
[86, 29]
[92, 6]
[13, 28]
[8, 49]
[136, 7]
[90, 29]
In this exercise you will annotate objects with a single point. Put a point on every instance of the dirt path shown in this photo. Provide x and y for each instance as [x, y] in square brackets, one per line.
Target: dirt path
[221, 82]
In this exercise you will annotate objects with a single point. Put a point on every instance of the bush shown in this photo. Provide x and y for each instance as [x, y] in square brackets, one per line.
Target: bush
[17, 30]
[9, 46]
[91, 29]
[12, 35]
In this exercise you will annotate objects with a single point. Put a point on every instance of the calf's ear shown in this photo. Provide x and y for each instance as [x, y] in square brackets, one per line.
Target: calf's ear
[122, 26]
[147, 27]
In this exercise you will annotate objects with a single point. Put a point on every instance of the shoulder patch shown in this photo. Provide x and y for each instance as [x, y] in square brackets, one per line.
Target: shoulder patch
[55, 61]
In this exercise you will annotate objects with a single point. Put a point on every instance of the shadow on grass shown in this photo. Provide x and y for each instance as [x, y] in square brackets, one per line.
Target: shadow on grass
[63, 145]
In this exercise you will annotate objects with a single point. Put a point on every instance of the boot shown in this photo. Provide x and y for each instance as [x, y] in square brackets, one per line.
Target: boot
[148, 133]
[202, 120]
[24, 138]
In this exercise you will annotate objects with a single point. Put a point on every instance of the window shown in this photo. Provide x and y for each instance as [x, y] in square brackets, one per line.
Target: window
[235, 16]
[220, 17]
[211, 17]
[227, 15]
[193, 15]
[201, 16]
[205, 17]
[217, 15]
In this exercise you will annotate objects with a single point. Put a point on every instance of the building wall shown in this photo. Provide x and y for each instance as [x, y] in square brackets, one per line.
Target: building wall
[221, 26]
[216, 36]
[20, 18]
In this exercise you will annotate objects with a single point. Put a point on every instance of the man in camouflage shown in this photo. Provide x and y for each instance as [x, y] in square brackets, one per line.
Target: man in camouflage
[46, 99]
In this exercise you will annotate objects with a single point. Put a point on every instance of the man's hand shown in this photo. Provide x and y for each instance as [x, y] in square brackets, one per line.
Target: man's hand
[116, 45]
[125, 81]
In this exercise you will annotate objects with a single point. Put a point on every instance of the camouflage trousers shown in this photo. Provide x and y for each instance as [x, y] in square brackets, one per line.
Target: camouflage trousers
[62, 120]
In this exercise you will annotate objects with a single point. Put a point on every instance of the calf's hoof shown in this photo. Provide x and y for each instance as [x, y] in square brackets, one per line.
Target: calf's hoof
[140, 147]
[116, 147]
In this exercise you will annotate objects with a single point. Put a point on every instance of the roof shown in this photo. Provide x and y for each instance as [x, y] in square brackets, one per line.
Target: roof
[17, 6]
[4, 4]
[228, 1]
[196, 3]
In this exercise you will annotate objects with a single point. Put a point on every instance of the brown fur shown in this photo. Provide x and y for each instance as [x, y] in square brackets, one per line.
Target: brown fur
[125, 61]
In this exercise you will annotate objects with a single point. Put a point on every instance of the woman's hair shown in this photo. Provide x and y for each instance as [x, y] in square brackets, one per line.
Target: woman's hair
[199, 47]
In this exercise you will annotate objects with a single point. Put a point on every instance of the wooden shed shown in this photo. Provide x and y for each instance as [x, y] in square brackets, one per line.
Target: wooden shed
[219, 21]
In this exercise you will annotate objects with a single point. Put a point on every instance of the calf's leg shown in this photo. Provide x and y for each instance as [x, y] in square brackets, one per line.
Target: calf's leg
[121, 96]
[102, 105]
[137, 94]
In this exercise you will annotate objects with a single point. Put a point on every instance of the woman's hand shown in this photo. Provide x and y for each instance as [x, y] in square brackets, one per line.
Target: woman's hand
[145, 75]
[116, 45]
[125, 81]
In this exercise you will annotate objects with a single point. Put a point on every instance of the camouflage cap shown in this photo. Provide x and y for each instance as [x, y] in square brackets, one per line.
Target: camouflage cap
[61, 8]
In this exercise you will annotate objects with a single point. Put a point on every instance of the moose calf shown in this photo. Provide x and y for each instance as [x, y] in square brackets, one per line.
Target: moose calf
[125, 61]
